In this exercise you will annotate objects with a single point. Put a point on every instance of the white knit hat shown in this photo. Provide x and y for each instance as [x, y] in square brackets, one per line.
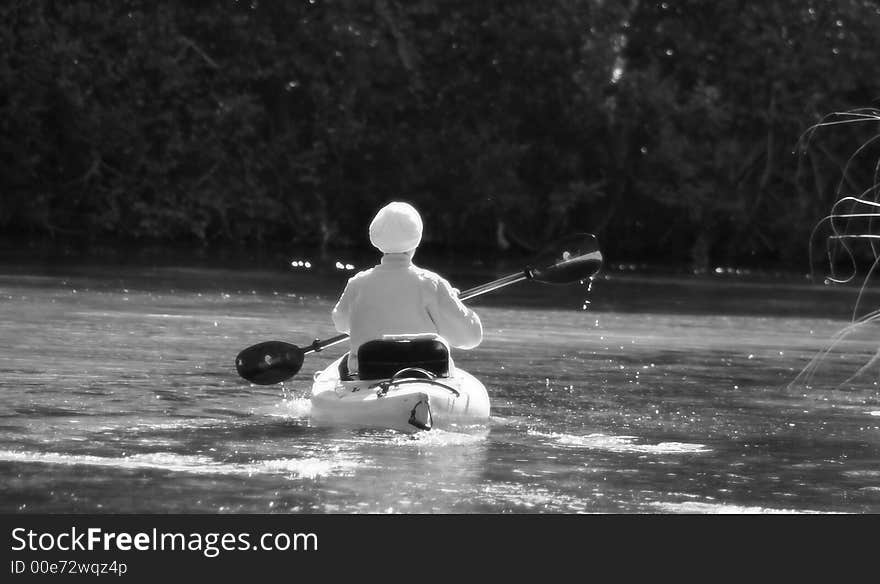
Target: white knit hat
[396, 228]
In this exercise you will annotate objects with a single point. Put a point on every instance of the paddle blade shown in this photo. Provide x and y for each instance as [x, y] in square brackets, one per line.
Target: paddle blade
[269, 362]
[572, 259]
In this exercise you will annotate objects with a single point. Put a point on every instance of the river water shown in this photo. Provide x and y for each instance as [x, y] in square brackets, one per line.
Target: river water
[643, 394]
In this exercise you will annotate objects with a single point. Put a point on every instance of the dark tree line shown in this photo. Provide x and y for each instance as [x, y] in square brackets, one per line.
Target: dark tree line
[669, 128]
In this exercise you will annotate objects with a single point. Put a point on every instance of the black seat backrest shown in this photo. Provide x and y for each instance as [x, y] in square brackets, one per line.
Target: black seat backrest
[381, 359]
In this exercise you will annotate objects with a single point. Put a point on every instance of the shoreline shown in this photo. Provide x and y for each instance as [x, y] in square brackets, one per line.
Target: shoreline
[278, 256]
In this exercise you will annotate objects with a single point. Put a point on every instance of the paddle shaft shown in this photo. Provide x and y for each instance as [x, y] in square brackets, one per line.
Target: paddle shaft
[466, 295]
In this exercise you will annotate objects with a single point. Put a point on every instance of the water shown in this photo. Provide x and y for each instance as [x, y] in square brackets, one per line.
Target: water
[118, 394]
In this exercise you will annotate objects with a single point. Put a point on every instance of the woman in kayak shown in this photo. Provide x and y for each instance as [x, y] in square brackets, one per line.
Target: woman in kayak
[397, 297]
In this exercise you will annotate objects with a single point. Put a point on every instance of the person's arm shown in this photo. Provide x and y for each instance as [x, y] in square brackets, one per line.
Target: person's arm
[458, 324]
[342, 311]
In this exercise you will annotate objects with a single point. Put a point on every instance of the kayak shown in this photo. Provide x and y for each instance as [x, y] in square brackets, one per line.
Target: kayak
[408, 401]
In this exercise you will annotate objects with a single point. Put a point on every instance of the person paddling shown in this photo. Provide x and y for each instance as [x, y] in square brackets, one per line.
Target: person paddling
[396, 297]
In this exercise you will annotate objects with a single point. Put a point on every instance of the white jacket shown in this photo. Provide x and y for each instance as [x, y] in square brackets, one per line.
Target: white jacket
[397, 297]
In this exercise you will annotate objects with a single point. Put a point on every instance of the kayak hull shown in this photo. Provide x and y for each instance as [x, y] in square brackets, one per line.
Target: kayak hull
[406, 403]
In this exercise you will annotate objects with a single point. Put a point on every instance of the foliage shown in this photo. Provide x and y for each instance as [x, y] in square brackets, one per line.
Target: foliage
[666, 127]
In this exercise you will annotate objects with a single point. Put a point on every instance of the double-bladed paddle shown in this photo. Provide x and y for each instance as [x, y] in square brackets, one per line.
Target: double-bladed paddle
[571, 259]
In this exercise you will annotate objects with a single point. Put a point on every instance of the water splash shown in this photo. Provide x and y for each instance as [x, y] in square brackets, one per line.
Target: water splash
[292, 407]
[589, 284]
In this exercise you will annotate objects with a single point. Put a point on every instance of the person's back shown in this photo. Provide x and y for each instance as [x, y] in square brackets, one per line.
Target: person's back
[397, 297]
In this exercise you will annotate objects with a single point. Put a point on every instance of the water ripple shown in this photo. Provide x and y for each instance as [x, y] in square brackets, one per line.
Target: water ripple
[692, 507]
[441, 438]
[620, 444]
[168, 461]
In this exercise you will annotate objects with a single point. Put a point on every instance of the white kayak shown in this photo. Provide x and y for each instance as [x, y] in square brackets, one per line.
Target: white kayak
[409, 401]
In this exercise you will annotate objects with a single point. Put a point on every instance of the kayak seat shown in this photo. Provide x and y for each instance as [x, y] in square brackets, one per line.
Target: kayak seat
[382, 359]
